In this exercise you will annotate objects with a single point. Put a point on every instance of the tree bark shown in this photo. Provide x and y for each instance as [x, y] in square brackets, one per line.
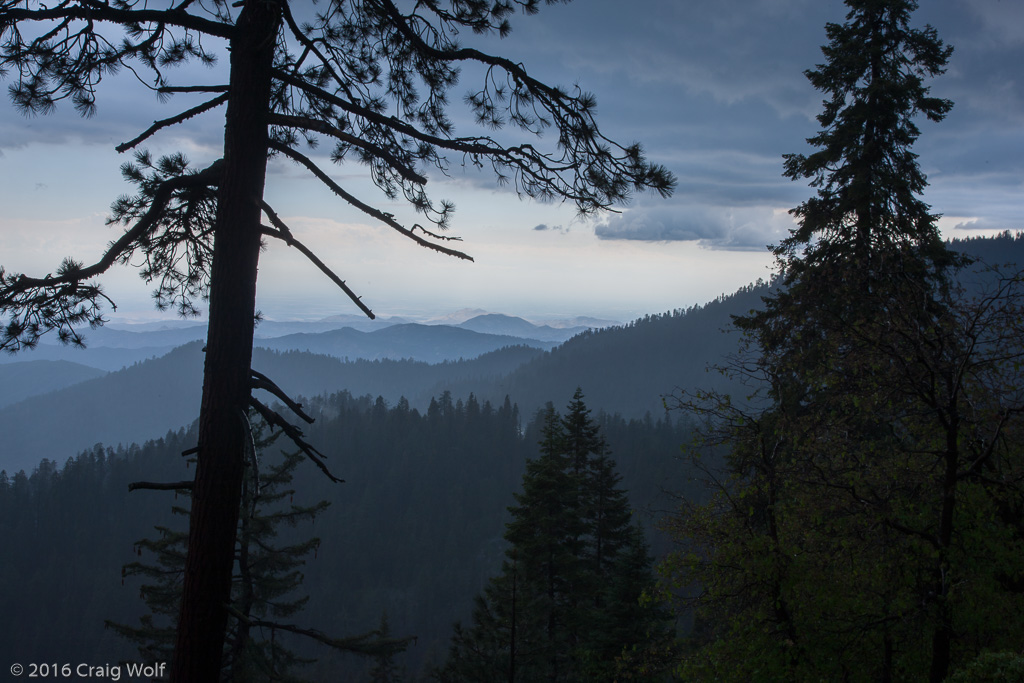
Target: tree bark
[223, 430]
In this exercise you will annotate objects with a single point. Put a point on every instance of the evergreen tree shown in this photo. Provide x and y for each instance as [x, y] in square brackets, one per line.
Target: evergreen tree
[199, 234]
[567, 603]
[867, 179]
[267, 577]
[841, 541]
[384, 668]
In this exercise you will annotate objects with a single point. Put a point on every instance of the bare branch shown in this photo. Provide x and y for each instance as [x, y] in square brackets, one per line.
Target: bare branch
[171, 89]
[160, 486]
[385, 218]
[295, 434]
[261, 381]
[165, 123]
[361, 643]
[285, 235]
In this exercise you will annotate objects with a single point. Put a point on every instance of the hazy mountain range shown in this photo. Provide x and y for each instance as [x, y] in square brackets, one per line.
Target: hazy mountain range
[53, 408]
[113, 347]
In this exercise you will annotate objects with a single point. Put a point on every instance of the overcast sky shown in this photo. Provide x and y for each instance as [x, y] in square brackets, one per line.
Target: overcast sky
[715, 91]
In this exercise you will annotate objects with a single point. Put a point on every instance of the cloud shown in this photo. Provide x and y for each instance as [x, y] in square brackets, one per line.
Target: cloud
[1002, 21]
[985, 225]
[550, 228]
[713, 227]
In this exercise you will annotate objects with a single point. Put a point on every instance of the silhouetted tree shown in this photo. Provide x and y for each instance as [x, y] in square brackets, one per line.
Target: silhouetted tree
[384, 668]
[867, 179]
[865, 465]
[264, 587]
[369, 78]
[567, 604]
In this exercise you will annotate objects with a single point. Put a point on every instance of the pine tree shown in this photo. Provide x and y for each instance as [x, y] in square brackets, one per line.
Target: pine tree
[373, 81]
[546, 533]
[867, 179]
[384, 668]
[264, 587]
[840, 541]
[566, 605]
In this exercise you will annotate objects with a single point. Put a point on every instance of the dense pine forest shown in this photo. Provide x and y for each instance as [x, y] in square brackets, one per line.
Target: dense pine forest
[414, 533]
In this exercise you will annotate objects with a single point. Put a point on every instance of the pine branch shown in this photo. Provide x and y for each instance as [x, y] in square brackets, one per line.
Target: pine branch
[166, 123]
[284, 234]
[63, 301]
[306, 123]
[385, 218]
[106, 13]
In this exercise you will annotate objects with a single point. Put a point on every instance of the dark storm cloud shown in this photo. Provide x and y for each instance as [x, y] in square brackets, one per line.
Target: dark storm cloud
[715, 93]
[125, 107]
[713, 227]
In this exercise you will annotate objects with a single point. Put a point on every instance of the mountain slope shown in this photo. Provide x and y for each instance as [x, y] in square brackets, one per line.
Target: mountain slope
[625, 369]
[429, 343]
[628, 369]
[146, 400]
[20, 380]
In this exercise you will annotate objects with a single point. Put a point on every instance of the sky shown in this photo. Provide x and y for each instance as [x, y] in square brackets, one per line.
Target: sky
[714, 91]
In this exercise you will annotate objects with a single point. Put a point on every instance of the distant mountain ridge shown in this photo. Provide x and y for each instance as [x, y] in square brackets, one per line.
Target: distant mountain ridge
[430, 343]
[625, 369]
[150, 398]
[113, 347]
[496, 323]
[18, 381]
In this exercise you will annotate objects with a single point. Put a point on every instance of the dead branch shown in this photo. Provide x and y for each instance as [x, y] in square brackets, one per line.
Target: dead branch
[284, 234]
[385, 218]
[165, 123]
[295, 434]
[261, 381]
[160, 486]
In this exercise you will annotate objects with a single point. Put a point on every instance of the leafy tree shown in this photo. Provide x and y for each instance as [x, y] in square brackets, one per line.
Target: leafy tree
[567, 603]
[370, 79]
[864, 471]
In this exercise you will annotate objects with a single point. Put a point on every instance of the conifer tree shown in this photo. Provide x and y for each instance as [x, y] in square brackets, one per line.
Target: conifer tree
[840, 540]
[868, 181]
[373, 80]
[264, 593]
[567, 602]
[385, 670]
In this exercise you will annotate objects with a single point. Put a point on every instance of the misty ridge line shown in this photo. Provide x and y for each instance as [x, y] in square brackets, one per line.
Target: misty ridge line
[53, 408]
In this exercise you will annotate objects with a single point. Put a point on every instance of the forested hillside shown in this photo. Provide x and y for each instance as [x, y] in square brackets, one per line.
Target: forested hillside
[35, 377]
[415, 530]
[626, 369]
[108, 409]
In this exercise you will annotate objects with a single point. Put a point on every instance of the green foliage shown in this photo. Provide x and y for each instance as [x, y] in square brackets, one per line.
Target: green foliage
[567, 605]
[862, 527]
[992, 667]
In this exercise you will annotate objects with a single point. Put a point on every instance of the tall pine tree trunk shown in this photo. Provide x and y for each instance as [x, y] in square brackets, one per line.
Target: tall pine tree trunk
[223, 429]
